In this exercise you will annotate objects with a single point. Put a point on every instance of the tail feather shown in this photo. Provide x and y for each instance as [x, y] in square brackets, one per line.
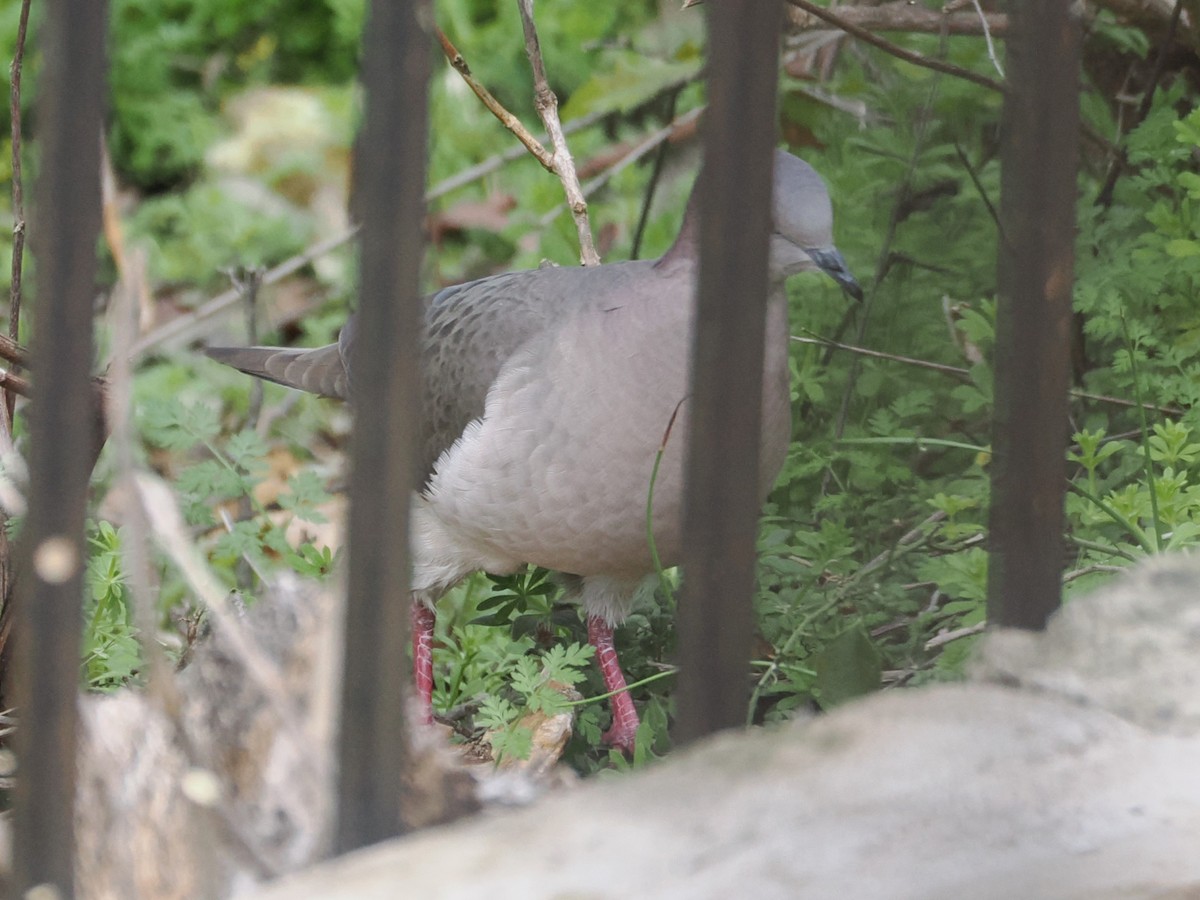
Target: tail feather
[320, 371]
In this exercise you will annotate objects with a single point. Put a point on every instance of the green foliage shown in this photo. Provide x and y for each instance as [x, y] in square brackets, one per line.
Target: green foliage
[511, 646]
[111, 654]
[233, 472]
[874, 537]
[198, 234]
[1139, 264]
[847, 667]
[538, 683]
[174, 61]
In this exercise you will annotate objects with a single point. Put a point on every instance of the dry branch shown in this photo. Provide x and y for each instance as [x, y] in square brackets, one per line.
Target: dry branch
[905, 16]
[547, 107]
[965, 374]
[839, 21]
[494, 106]
[653, 140]
[559, 161]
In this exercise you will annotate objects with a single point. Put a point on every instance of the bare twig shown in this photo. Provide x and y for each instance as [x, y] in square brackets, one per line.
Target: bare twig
[15, 383]
[965, 374]
[956, 371]
[492, 163]
[916, 59]
[135, 544]
[18, 194]
[987, 37]
[547, 106]
[652, 185]
[247, 281]
[647, 144]
[494, 106]
[184, 327]
[1093, 569]
[903, 15]
[856, 108]
[947, 637]
[170, 533]
[910, 538]
[983, 194]
[13, 352]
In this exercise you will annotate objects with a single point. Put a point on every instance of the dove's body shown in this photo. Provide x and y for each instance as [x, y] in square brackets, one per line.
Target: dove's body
[546, 397]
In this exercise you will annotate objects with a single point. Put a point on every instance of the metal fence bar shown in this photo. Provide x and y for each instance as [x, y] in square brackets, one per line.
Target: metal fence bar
[47, 630]
[390, 183]
[1036, 270]
[721, 510]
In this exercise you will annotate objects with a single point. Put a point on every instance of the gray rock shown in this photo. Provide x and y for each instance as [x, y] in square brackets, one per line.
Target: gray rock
[1068, 769]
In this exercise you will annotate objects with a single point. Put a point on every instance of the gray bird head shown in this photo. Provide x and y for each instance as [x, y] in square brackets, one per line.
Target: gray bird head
[802, 239]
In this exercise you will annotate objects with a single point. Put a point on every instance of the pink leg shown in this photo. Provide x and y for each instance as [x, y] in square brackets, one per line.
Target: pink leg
[625, 717]
[422, 640]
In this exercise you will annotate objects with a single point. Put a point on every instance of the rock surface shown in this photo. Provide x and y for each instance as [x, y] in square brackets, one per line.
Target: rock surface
[1068, 768]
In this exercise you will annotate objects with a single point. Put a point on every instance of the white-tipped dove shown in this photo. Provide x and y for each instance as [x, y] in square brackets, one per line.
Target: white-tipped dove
[546, 396]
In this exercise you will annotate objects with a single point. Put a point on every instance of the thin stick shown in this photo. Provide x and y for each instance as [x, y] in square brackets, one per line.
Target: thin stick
[547, 106]
[494, 106]
[491, 164]
[947, 637]
[955, 371]
[916, 59]
[247, 281]
[979, 189]
[652, 186]
[965, 374]
[171, 535]
[1092, 569]
[905, 15]
[14, 383]
[183, 327]
[987, 38]
[650, 142]
[18, 195]
[135, 543]
[13, 352]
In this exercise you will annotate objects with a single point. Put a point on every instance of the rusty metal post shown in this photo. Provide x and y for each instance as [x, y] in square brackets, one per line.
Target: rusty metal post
[390, 182]
[721, 510]
[1036, 271]
[49, 616]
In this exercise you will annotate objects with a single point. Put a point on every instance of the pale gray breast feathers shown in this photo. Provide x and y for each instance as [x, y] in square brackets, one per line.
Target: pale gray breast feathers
[472, 330]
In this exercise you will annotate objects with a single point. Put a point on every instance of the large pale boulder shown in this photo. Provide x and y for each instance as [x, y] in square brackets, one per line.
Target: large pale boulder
[1069, 767]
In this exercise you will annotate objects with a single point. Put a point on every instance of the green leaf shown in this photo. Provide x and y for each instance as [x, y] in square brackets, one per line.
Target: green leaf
[848, 667]
[1181, 248]
[306, 491]
[632, 80]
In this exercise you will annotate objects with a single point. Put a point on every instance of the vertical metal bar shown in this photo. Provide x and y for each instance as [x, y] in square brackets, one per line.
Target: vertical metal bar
[721, 511]
[1036, 271]
[390, 182]
[64, 232]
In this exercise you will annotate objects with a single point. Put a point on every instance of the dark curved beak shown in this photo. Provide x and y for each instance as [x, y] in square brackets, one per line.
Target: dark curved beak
[831, 262]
